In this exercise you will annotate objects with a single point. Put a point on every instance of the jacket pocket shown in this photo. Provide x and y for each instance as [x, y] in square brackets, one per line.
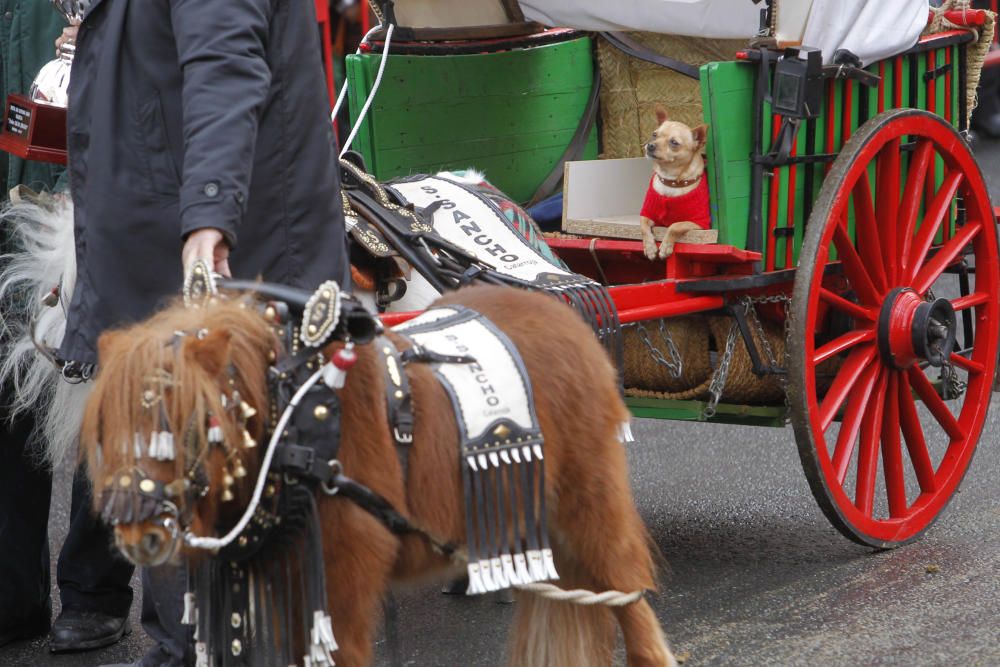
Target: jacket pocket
[161, 171]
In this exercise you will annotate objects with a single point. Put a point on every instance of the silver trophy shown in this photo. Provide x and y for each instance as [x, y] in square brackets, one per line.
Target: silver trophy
[52, 83]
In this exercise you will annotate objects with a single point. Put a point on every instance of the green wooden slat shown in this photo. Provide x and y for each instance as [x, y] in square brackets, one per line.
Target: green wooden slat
[726, 413]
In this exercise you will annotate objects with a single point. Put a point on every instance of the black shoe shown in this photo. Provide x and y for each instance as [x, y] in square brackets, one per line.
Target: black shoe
[76, 630]
[34, 627]
[456, 587]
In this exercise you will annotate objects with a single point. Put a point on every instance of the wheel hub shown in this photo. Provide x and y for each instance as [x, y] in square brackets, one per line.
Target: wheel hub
[911, 330]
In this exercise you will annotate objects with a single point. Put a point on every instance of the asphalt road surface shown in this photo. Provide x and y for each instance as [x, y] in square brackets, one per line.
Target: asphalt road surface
[755, 574]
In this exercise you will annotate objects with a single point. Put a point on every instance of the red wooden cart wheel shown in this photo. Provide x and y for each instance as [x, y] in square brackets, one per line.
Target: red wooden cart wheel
[882, 338]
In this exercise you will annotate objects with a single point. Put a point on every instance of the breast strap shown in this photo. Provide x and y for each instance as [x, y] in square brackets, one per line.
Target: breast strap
[398, 400]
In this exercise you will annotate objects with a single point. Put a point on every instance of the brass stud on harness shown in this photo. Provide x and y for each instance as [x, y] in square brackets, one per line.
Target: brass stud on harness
[147, 486]
[125, 481]
[236, 620]
[237, 647]
[321, 413]
[270, 314]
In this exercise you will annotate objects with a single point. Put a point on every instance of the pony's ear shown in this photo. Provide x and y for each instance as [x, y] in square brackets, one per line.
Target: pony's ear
[700, 135]
[661, 114]
[211, 352]
[106, 343]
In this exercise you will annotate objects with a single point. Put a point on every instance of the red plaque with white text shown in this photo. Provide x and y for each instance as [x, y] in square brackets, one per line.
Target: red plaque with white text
[34, 130]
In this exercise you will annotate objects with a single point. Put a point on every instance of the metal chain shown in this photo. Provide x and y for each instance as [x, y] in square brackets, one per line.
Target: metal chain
[951, 385]
[785, 302]
[675, 365]
[748, 304]
[721, 373]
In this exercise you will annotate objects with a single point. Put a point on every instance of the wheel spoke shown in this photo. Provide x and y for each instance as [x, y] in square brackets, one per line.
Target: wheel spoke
[892, 451]
[855, 310]
[847, 377]
[925, 390]
[852, 422]
[971, 365]
[887, 205]
[842, 343]
[864, 496]
[913, 197]
[933, 217]
[854, 268]
[944, 257]
[968, 301]
[913, 433]
[867, 233]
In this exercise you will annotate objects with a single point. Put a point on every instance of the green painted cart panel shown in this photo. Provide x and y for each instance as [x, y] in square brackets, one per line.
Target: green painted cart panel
[750, 415]
[727, 101]
[509, 114]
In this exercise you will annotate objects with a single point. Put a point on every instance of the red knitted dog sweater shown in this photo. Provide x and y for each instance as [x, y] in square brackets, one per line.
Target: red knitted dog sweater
[665, 211]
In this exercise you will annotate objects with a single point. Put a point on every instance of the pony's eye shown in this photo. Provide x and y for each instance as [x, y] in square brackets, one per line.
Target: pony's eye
[674, 143]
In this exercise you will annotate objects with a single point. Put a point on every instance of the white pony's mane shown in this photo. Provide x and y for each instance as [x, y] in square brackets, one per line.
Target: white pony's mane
[43, 258]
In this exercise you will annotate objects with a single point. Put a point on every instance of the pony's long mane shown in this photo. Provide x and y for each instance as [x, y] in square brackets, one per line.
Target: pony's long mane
[42, 257]
[222, 342]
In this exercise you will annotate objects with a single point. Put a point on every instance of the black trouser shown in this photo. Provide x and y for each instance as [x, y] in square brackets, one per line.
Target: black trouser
[92, 575]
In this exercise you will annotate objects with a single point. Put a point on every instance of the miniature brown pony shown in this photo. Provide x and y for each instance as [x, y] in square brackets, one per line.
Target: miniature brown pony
[599, 540]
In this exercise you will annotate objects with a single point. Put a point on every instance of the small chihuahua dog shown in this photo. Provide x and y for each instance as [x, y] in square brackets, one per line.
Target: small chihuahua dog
[678, 191]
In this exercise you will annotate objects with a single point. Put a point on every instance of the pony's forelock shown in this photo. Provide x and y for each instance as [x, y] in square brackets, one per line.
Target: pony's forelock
[131, 356]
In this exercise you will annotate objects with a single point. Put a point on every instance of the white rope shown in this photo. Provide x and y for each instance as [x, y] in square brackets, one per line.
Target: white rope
[579, 596]
[214, 543]
[343, 88]
[371, 95]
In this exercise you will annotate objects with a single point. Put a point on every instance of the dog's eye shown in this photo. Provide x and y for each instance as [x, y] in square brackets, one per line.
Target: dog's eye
[654, 135]
[674, 143]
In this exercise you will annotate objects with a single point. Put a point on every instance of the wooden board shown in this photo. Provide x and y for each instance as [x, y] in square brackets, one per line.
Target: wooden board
[627, 227]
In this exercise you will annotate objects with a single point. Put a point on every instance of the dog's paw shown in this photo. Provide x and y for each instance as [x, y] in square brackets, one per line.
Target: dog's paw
[666, 250]
[649, 248]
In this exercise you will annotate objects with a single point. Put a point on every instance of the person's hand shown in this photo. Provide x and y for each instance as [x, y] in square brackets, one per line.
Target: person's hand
[210, 245]
[68, 36]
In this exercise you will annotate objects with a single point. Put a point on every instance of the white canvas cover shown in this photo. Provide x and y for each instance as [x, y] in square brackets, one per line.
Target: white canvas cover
[697, 18]
[871, 29]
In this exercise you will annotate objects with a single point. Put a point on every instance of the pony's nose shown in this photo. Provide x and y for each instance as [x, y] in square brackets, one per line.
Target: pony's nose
[151, 547]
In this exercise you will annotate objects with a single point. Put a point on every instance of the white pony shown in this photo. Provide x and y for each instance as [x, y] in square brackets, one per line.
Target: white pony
[43, 259]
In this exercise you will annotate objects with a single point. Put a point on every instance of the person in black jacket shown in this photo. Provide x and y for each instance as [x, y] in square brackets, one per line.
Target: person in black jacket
[203, 126]
[197, 129]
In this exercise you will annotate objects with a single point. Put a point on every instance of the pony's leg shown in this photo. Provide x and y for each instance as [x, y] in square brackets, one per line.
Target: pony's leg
[360, 555]
[599, 531]
[645, 644]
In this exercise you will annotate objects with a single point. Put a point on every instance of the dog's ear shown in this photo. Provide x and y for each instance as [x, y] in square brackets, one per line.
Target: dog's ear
[211, 351]
[700, 135]
[661, 114]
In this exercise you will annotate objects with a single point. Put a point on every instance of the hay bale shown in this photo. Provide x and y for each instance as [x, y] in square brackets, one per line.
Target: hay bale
[632, 88]
[642, 371]
[742, 386]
